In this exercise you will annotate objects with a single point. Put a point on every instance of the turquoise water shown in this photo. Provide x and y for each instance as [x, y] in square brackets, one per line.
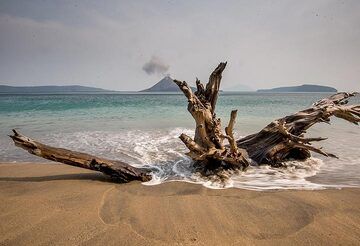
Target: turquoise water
[143, 129]
[112, 112]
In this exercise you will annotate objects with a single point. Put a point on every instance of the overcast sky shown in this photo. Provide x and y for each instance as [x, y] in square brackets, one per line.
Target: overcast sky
[130, 45]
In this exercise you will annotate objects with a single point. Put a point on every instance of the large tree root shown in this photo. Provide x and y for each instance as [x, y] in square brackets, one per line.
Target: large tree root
[281, 140]
[119, 171]
[208, 148]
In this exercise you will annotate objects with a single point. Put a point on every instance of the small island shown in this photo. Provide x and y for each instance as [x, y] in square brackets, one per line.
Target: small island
[50, 89]
[301, 88]
[165, 85]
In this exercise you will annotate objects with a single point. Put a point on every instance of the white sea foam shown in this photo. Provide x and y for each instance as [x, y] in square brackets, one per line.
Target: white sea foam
[163, 151]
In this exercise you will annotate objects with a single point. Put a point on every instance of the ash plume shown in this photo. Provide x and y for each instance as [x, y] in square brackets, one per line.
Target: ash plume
[155, 65]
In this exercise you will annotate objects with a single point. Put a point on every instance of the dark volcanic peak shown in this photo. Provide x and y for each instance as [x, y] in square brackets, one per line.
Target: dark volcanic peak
[50, 89]
[301, 88]
[165, 85]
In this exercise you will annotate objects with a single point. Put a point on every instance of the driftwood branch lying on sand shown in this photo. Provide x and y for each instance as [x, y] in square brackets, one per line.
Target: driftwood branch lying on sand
[120, 171]
[212, 149]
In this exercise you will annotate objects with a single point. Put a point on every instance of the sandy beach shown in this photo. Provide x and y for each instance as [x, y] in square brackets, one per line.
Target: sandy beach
[62, 205]
[179, 122]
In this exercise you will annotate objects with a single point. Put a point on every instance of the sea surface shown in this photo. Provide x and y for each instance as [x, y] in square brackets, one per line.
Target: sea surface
[143, 129]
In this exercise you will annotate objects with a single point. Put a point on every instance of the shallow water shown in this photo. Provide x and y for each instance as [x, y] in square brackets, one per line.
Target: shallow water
[143, 129]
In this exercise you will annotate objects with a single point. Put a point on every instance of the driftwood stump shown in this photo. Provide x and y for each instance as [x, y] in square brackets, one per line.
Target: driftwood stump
[208, 148]
[281, 140]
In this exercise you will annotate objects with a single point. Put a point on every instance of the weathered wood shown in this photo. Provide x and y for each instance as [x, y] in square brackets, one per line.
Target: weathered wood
[281, 140]
[119, 171]
[208, 148]
[229, 132]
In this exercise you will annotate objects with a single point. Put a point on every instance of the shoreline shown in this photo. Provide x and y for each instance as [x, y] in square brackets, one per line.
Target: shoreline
[317, 186]
[54, 203]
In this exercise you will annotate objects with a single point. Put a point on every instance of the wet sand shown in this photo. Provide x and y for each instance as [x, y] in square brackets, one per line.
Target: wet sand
[62, 205]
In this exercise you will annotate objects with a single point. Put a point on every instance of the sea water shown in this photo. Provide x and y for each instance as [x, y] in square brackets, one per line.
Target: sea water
[143, 130]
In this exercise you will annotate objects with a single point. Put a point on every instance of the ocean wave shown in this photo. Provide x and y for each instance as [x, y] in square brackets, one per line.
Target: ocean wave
[163, 151]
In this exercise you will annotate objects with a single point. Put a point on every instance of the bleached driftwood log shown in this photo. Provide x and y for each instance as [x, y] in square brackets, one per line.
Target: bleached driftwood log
[281, 140]
[119, 171]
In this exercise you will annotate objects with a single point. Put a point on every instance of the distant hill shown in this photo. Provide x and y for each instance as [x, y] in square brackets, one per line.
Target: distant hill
[301, 88]
[49, 89]
[165, 85]
[238, 87]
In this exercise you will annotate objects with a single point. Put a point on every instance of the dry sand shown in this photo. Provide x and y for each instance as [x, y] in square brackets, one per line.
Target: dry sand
[58, 204]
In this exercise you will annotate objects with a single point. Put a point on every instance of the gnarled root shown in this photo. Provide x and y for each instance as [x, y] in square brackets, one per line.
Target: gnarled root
[208, 148]
[281, 140]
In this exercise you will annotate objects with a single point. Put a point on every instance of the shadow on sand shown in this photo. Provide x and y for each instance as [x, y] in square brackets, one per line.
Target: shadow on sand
[76, 176]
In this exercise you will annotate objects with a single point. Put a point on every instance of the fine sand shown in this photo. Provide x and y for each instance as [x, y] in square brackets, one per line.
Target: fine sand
[57, 204]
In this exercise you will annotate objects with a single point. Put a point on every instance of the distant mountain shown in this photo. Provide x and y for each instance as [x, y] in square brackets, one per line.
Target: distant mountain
[239, 87]
[49, 89]
[165, 85]
[301, 88]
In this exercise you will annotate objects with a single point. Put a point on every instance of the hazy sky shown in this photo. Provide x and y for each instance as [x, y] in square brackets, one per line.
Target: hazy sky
[129, 45]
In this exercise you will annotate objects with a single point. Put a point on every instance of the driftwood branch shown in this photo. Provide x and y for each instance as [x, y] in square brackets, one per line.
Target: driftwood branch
[212, 88]
[283, 138]
[229, 132]
[120, 171]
